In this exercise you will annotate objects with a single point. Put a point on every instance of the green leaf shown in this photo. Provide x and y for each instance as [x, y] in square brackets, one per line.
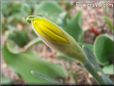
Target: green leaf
[104, 49]
[51, 10]
[109, 69]
[43, 77]
[109, 23]
[74, 27]
[21, 38]
[26, 62]
[15, 12]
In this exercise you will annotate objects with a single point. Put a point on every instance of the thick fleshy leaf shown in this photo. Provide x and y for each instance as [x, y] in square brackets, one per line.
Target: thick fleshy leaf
[104, 49]
[109, 23]
[74, 27]
[16, 36]
[51, 10]
[15, 11]
[108, 69]
[24, 63]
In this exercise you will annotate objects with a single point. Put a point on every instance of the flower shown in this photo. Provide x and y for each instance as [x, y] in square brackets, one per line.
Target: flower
[56, 37]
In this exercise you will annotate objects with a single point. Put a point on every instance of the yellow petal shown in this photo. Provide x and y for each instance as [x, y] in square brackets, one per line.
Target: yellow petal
[49, 31]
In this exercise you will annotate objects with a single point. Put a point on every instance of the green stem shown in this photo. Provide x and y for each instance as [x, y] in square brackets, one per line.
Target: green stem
[94, 69]
[26, 47]
[33, 42]
[97, 74]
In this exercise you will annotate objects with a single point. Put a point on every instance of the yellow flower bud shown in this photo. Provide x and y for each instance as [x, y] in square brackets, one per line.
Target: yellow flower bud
[57, 38]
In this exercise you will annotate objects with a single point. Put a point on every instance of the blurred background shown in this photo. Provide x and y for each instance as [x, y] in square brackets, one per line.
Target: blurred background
[20, 57]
